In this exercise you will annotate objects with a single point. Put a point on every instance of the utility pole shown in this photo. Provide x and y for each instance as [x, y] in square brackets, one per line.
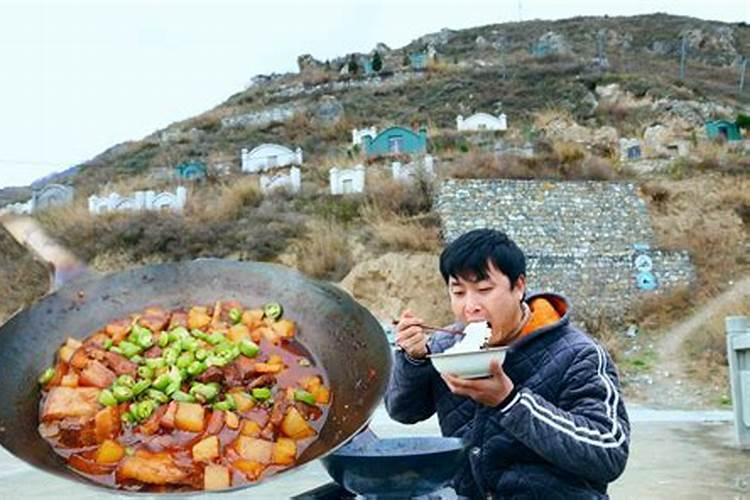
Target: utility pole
[683, 56]
[520, 16]
[742, 74]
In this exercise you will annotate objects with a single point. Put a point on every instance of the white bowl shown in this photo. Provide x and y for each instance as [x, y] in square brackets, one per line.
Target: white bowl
[473, 364]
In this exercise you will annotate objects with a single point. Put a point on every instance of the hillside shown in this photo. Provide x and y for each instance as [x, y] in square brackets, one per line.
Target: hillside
[571, 89]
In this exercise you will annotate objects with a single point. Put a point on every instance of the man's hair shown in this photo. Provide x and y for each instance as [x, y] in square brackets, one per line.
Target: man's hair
[468, 257]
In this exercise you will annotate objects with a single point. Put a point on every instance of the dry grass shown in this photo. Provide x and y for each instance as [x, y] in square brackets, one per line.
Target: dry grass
[23, 279]
[563, 162]
[225, 201]
[568, 153]
[407, 199]
[662, 309]
[704, 215]
[393, 232]
[324, 253]
[707, 348]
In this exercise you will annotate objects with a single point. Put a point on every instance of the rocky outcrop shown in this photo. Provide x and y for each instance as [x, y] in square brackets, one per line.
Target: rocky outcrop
[306, 62]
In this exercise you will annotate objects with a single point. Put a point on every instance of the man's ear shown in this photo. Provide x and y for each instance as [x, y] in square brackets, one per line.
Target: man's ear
[519, 287]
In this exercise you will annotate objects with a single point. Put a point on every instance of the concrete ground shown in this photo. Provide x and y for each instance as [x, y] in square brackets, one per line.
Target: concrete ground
[674, 455]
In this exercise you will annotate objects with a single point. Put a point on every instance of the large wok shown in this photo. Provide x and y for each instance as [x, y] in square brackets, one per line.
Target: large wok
[341, 335]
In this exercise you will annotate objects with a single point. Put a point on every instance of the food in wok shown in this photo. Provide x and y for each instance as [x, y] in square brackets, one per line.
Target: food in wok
[206, 397]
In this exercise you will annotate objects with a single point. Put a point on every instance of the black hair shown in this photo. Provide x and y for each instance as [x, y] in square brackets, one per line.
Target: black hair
[469, 256]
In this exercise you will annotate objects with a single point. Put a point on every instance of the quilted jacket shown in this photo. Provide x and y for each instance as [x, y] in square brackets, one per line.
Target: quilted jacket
[563, 432]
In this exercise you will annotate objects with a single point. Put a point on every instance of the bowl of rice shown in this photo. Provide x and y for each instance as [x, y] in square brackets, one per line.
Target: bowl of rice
[470, 357]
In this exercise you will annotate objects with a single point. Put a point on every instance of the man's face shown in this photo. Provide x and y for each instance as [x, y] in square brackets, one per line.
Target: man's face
[490, 299]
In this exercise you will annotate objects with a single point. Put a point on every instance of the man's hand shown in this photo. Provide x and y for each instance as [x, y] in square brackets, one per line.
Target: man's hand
[410, 336]
[490, 391]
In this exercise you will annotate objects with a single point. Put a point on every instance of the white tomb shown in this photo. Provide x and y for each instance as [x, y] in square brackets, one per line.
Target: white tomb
[481, 121]
[269, 156]
[347, 180]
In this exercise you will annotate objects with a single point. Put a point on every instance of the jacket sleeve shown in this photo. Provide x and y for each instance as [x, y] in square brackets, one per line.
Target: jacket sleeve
[409, 398]
[588, 433]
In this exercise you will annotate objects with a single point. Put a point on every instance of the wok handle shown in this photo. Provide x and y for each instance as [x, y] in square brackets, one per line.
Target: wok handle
[62, 264]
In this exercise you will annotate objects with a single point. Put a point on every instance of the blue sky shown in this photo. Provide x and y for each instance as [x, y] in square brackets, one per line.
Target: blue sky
[79, 77]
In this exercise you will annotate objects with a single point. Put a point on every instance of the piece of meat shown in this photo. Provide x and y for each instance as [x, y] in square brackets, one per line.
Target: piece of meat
[265, 380]
[118, 329]
[153, 352]
[64, 402]
[151, 425]
[80, 358]
[238, 371]
[96, 375]
[120, 364]
[215, 422]
[152, 468]
[167, 420]
[179, 318]
[310, 413]
[269, 432]
[77, 432]
[280, 406]
[155, 319]
[212, 374]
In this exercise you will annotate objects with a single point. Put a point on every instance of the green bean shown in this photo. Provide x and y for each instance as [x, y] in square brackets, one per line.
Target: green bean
[157, 396]
[235, 315]
[184, 360]
[189, 344]
[214, 360]
[178, 333]
[47, 375]
[205, 392]
[126, 380]
[273, 310]
[304, 396]
[201, 354]
[162, 381]
[141, 386]
[172, 388]
[155, 363]
[182, 397]
[196, 368]
[129, 349]
[145, 339]
[107, 398]
[170, 355]
[146, 372]
[107, 344]
[261, 393]
[138, 359]
[249, 348]
[122, 393]
[163, 340]
[199, 334]
[143, 410]
[215, 338]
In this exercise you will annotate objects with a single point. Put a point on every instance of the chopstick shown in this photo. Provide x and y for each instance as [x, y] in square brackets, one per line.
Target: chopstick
[433, 328]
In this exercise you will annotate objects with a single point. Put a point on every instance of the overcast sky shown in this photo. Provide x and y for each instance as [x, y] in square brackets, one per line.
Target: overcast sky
[79, 77]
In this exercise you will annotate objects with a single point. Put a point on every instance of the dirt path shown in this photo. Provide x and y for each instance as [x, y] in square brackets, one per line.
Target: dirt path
[671, 387]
